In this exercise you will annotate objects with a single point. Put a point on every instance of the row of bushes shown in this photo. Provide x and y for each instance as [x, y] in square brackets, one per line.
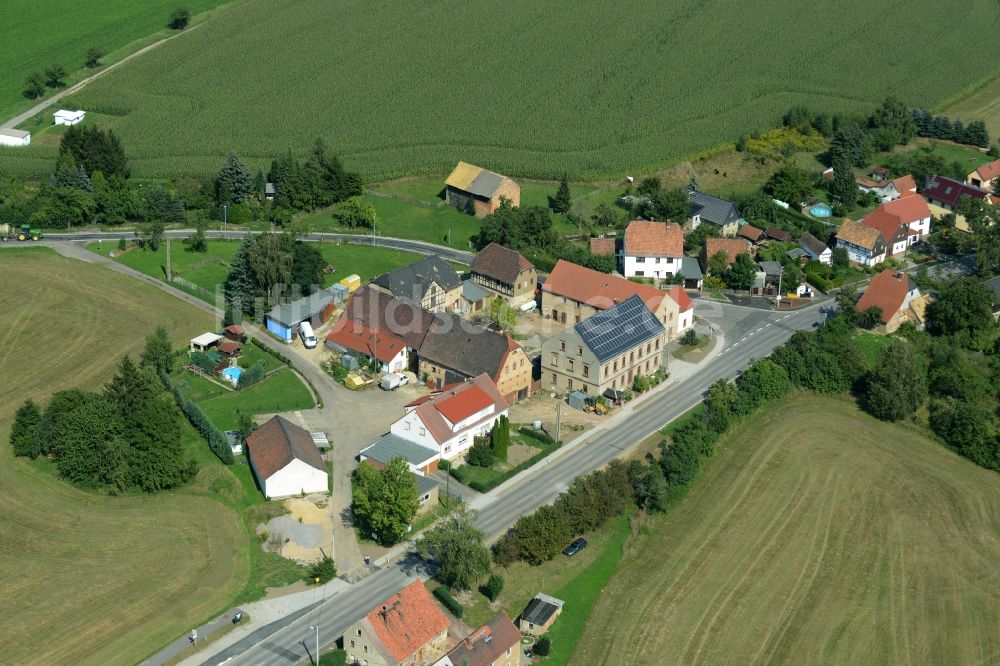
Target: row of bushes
[485, 486]
[216, 439]
[443, 595]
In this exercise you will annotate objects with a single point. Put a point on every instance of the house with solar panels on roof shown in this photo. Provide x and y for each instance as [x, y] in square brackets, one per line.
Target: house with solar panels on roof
[478, 191]
[605, 351]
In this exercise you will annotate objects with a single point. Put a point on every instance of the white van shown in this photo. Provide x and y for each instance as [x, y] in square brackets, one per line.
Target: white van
[307, 335]
[393, 381]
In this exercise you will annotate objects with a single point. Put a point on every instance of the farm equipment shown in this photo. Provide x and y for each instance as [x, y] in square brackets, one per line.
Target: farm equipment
[24, 233]
[594, 407]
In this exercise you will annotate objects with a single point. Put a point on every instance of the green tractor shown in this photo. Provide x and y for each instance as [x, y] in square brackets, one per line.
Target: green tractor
[27, 233]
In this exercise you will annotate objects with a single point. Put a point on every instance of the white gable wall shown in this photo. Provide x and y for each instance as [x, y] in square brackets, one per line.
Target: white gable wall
[295, 478]
[654, 267]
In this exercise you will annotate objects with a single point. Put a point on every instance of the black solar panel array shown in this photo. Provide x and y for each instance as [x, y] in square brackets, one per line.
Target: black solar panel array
[611, 332]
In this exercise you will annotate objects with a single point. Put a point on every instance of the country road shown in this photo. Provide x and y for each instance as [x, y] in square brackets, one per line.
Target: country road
[751, 333]
[284, 642]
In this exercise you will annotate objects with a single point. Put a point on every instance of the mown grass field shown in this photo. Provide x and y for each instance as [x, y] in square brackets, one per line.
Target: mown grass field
[89, 579]
[208, 270]
[281, 392]
[594, 90]
[34, 35]
[818, 536]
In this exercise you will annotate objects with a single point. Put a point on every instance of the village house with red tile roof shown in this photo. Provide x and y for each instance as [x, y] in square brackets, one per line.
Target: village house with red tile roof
[985, 177]
[407, 629]
[497, 643]
[602, 246]
[733, 247]
[652, 249]
[902, 222]
[388, 349]
[573, 293]
[893, 292]
[450, 421]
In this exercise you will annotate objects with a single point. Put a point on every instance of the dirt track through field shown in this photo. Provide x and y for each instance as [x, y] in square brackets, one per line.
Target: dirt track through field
[817, 536]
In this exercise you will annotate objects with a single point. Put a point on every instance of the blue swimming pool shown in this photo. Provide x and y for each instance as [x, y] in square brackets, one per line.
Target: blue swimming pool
[233, 374]
[821, 210]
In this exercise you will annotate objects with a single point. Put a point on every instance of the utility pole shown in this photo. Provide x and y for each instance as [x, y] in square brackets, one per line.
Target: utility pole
[225, 219]
[169, 275]
[559, 421]
[316, 658]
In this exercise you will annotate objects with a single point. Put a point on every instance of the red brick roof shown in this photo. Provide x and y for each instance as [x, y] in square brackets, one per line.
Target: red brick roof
[602, 245]
[359, 338]
[892, 215]
[654, 239]
[680, 296]
[229, 347]
[406, 621]
[751, 233]
[731, 246]
[778, 234]
[887, 290]
[487, 644]
[464, 404]
[905, 184]
[596, 289]
[235, 329]
[437, 421]
[278, 442]
[949, 190]
[990, 170]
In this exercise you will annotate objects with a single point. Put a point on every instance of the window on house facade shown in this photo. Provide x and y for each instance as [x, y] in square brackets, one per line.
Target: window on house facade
[579, 351]
[640, 260]
[577, 319]
[406, 425]
[447, 448]
[569, 365]
[423, 431]
[352, 643]
[359, 632]
[640, 273]
[570, 384]
[555, 360]
[562, 345]
[606, 372]
[586, 370]
[657, 343]
[553, 378]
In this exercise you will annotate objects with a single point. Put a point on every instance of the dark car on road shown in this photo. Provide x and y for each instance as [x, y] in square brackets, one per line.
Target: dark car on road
[575, 547]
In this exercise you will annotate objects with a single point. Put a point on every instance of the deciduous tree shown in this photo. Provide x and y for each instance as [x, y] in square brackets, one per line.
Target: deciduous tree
[456, 547]
[384, 501]
[24, 432]
[896, 386]
[179, 18]
[93, 57]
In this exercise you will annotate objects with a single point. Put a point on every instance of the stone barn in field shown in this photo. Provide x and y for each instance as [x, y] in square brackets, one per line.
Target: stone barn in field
[477, 191]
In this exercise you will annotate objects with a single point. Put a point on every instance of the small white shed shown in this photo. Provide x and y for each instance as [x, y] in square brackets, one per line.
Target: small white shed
[204, 341]
[14, 137]
[64, 117]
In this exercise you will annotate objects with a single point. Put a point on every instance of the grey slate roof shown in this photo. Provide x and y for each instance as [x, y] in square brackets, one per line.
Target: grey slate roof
[796, 253]
[292, 313]
[539, 611]
[812, 244]
[691, 269]
[472, 292]
[389, 447]
[485, 184]
[425, 484]
[713, 209]
[412, 282]
[625, 326]
[464, 347]
[771, 267]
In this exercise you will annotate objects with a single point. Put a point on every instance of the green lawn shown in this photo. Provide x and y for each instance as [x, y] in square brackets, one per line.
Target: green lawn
[280, 392]
[208, 270]
[400, 219]
[871, 344]
[252, 354]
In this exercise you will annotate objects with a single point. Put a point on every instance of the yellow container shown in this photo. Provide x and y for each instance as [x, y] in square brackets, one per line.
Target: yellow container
[352, 282]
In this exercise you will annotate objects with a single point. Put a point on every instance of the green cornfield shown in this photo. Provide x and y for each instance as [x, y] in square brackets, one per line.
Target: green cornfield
[533, 89]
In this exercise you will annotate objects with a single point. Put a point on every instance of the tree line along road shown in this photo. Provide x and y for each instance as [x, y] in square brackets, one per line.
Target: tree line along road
[282, 642]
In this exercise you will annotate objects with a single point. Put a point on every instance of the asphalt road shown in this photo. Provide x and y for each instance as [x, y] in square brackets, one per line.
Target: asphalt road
[420, 247]
[287, 643]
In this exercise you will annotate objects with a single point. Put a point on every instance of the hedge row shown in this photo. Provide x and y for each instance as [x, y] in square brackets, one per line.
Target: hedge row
[443, 595]
[216, 439]
[486, 486]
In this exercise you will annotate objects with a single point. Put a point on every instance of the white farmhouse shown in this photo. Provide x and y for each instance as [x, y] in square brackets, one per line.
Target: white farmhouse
[815, 248]
[449, 422]
[14, 137]
[652, 249]
[64, 117]
[285, 460]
